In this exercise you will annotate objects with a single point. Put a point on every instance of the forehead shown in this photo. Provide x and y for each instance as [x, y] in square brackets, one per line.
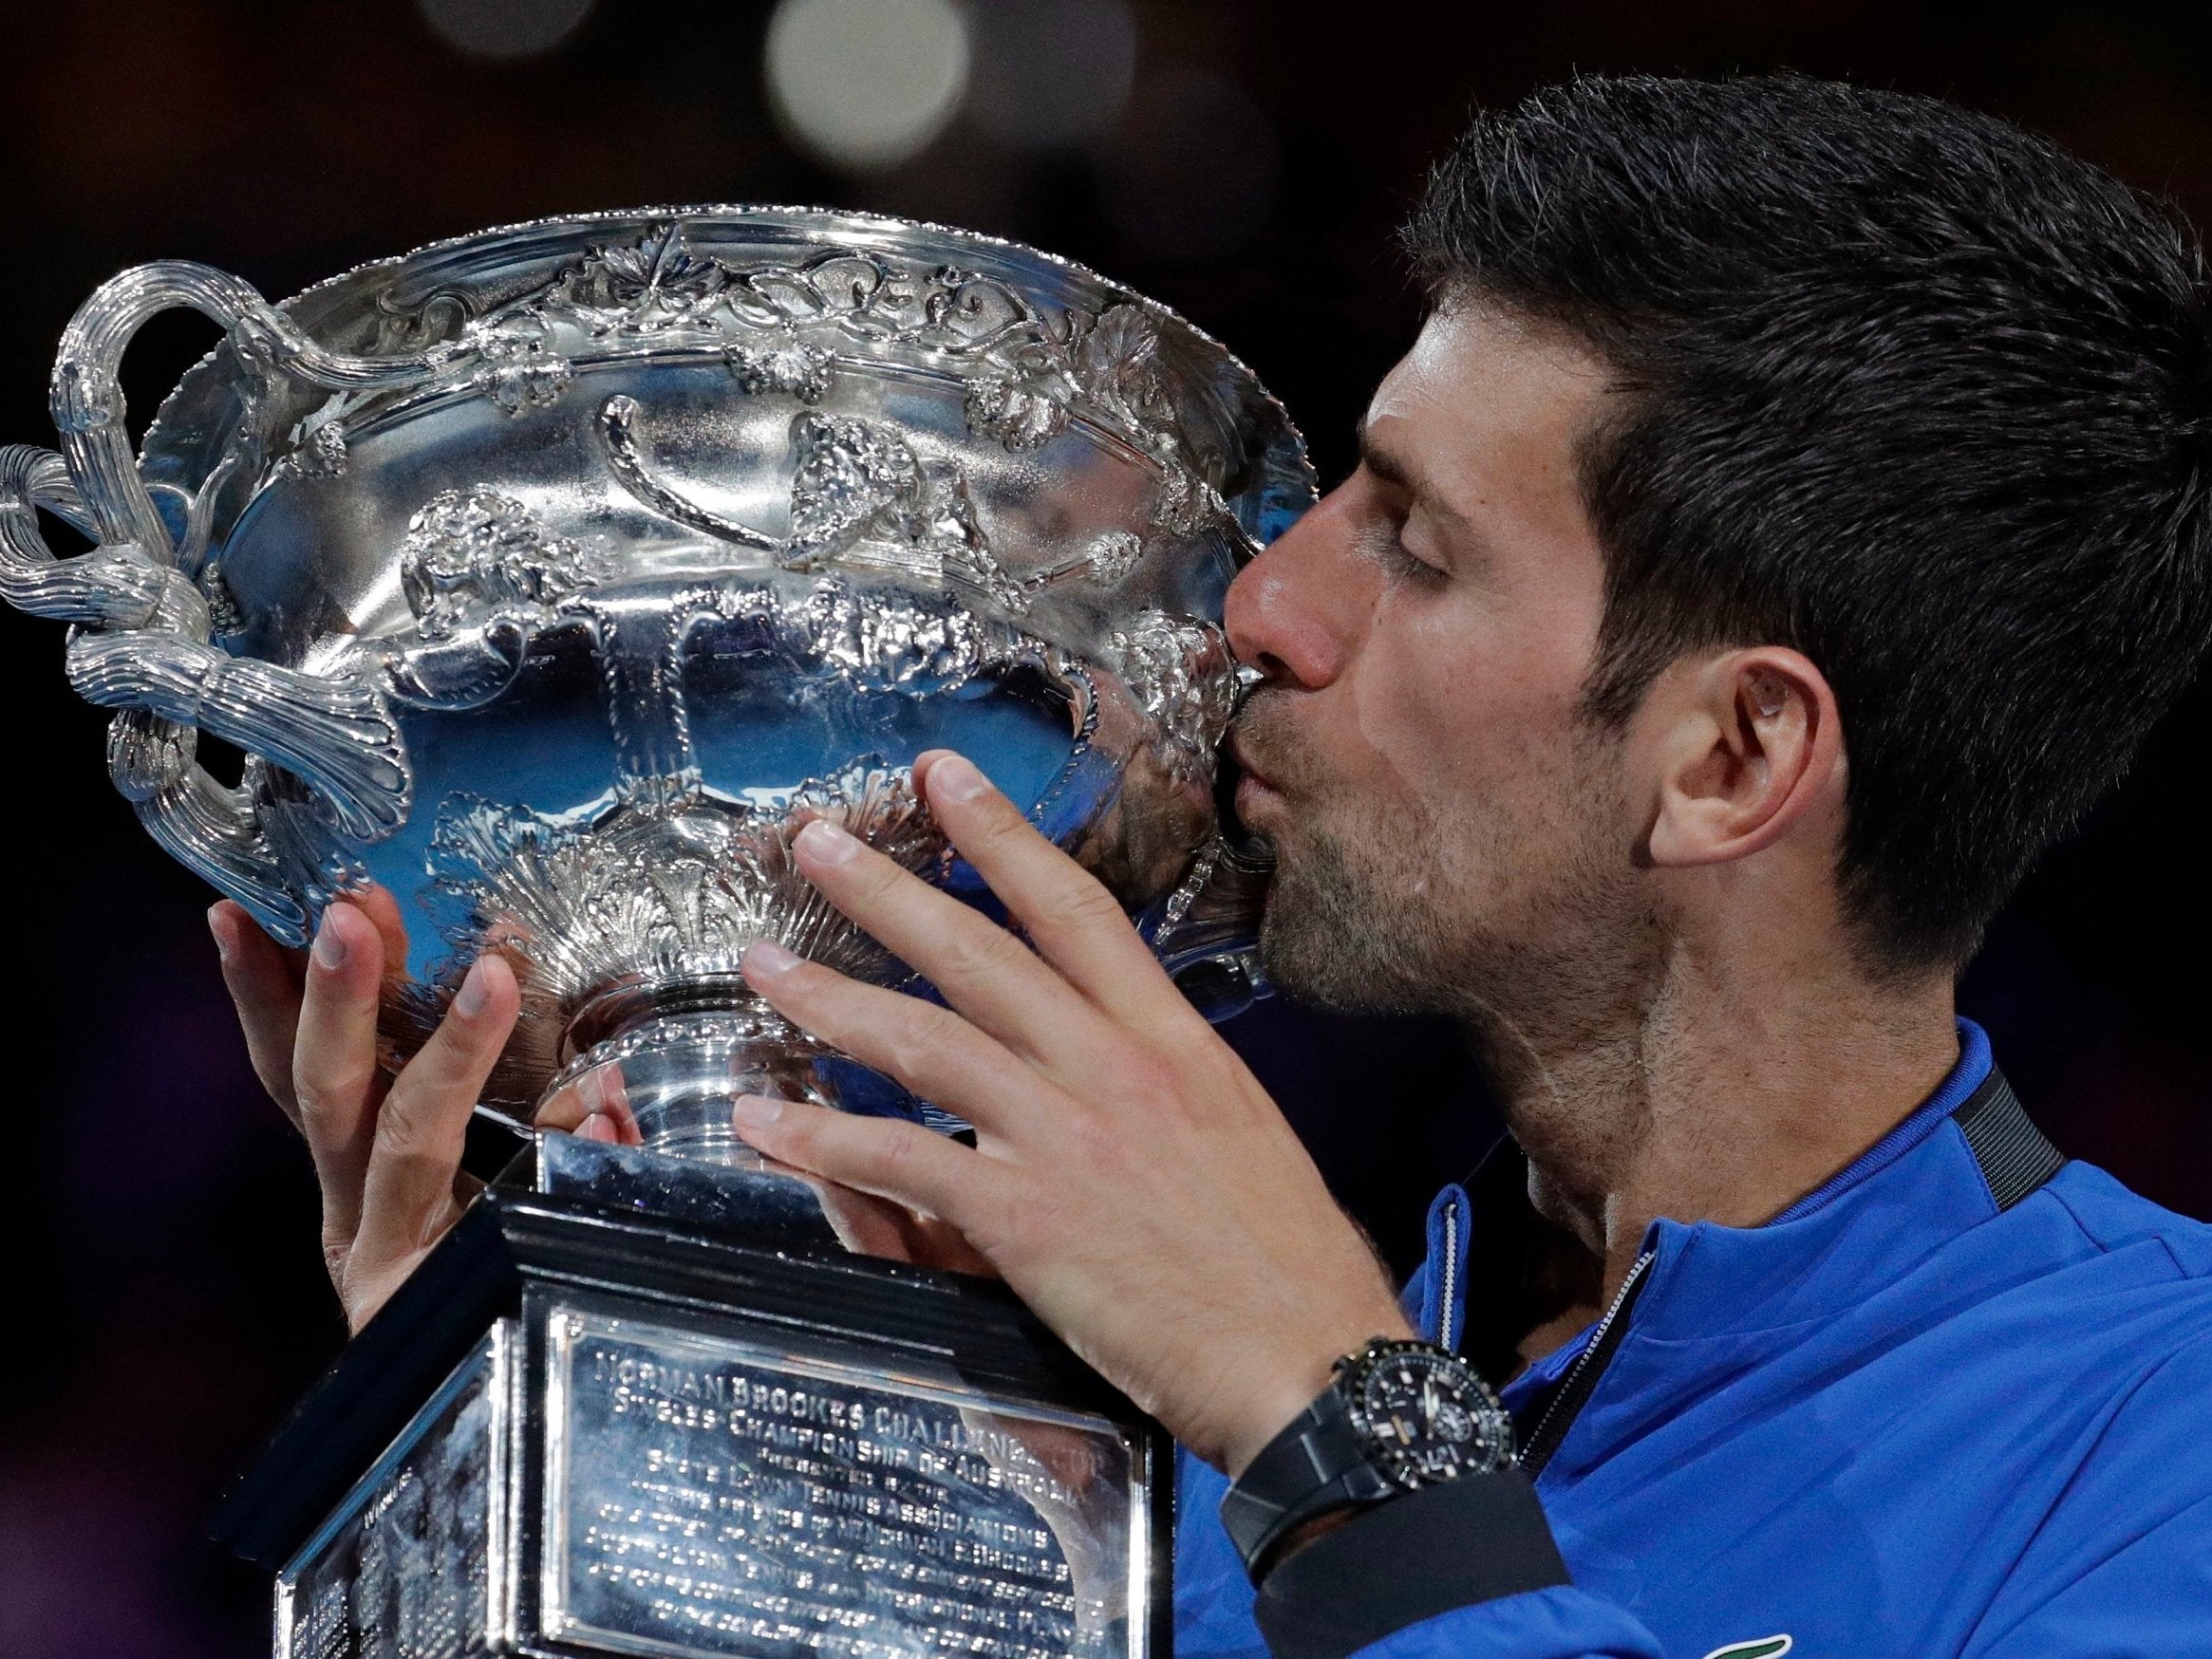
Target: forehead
[1487, 399]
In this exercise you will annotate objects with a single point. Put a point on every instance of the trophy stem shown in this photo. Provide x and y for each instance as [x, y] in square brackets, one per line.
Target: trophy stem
[674, 1071]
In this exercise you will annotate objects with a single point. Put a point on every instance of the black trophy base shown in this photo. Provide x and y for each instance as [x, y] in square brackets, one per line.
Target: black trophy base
[587, 1425]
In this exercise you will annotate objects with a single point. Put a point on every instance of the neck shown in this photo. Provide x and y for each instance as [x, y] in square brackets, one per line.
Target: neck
[1725, 1097]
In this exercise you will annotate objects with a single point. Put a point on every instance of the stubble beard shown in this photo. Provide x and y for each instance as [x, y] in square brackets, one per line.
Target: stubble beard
[1525, 925]
[1338, 934]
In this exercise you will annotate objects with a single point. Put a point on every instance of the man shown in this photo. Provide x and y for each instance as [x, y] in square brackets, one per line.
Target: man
[1790, 519]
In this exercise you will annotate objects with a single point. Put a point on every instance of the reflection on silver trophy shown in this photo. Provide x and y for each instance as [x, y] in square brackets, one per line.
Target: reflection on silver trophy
[550, 580]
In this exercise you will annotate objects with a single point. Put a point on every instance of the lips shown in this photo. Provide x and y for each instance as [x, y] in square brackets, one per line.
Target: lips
[1245, 771]
[1243, 791]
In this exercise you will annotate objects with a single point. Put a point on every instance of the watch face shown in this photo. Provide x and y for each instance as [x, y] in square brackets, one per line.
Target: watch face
[1424, 1415]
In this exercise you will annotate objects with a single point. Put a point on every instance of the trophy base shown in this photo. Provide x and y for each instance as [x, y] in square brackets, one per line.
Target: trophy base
[581, 1429]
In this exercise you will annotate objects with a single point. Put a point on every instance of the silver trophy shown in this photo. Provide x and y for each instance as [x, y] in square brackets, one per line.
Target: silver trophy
[548, 581]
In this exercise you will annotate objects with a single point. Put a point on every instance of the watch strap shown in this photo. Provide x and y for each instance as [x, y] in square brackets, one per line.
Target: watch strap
[1425, 1553]
[1316, 1464]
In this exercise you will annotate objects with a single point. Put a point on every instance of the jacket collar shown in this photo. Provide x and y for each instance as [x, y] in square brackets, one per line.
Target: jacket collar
[1898, 1201]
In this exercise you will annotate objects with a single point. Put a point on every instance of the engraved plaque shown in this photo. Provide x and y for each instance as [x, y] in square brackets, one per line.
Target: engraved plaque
[768, 1496]
[401, 1571]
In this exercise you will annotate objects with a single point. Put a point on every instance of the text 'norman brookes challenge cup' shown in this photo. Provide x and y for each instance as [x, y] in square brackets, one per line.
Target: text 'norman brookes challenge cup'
[551, 579]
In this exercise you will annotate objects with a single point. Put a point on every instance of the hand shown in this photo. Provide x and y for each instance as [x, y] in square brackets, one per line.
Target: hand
[1131, 1180]
[387, 1149]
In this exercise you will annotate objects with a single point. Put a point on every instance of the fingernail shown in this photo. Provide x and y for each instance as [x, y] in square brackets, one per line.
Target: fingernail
[469, 1001]
[826, 843]
[770, 959]
[215, 925]
[755, 1112]
[956, 778]
[329, 952]
[598, 1127]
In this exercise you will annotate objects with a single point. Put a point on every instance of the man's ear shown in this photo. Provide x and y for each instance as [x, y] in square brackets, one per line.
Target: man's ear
[1747, 744]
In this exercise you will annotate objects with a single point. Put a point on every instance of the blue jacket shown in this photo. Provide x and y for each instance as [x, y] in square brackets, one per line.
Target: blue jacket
[1958, 1401]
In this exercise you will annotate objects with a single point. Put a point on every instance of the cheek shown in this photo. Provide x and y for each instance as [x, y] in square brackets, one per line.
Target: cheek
[1455, 710]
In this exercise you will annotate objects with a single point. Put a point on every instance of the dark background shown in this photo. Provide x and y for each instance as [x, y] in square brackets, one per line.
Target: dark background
[1245, 161]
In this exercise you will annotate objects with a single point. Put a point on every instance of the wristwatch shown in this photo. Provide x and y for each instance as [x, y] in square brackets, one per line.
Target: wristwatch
[1398, 1415]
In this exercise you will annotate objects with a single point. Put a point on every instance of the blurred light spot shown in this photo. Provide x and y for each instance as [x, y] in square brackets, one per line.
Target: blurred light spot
[866, 84]
[1190, 172]
[504, 28]
[1051, 71]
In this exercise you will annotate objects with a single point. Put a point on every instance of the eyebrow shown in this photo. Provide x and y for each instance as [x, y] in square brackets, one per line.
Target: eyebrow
[1399, 471]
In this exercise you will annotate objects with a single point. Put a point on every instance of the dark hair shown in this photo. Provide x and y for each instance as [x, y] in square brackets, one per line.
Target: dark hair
[1902, 388]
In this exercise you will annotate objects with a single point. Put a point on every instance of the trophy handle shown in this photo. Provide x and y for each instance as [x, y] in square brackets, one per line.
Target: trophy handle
[200, 823]
[141, 640]
[87, 396]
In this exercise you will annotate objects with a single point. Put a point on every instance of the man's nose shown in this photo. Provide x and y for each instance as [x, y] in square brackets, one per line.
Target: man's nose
[1296, 612]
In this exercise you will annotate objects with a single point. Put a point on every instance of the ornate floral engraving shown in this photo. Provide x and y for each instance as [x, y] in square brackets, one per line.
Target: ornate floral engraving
[896, 647]
[1107, 560]
[1024, 402]
[654, 284]
[223, 615]
[472, 554]
[860, 496]
[803, 371]
[1181, 674]
[520, 369]
[320, 452]
[670, 897]
[1114, 555]
[1028, 368]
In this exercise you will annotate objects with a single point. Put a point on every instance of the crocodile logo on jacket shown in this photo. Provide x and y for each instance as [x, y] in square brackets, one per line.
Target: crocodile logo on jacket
[1759, 1648]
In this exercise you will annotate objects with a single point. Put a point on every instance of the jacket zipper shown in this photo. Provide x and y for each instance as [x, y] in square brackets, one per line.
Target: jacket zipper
[1581, 1377]
[1447, 1299]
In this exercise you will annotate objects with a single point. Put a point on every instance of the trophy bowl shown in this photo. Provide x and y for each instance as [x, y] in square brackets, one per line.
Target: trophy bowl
[552, 578]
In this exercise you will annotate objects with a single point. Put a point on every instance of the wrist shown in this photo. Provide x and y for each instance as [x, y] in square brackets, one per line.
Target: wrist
[1289, 1383]
[1398, 1415]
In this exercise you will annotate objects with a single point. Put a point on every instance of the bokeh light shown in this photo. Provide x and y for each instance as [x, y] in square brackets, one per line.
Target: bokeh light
[504, 28]
[1189, 173]
[1050, 71]
[864, 84]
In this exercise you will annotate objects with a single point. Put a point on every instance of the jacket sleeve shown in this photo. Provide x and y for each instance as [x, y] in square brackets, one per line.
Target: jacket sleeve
[1465, 1570]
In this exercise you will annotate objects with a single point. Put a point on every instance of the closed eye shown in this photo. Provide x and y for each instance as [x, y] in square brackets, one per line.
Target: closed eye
[1398, 559]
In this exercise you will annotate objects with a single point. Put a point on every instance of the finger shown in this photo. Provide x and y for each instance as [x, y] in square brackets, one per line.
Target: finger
[1074, 923]
[868, 1226]
[981, 968]
[933, 1051]
[889, 1157]
[569, 1109]
[864, 1224]
[383, 910]
[574, 1103]
[264, 981]
[423, 1121]
[937, 1244]
[334, 1071]
[594, 1103]
[614, 1103]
